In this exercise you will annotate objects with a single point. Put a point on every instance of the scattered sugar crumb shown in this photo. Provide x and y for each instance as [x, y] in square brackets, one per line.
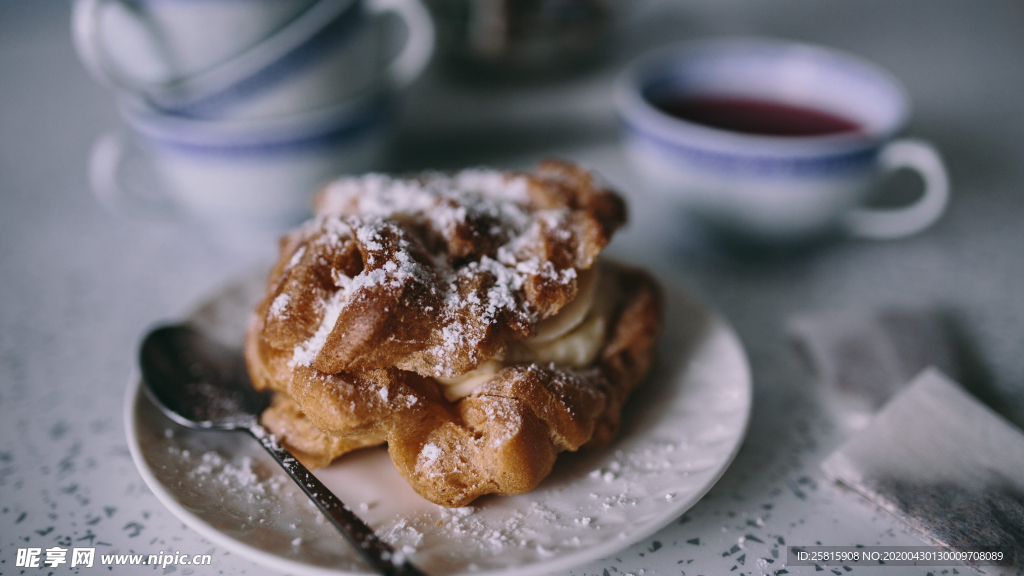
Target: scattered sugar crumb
[279, 306]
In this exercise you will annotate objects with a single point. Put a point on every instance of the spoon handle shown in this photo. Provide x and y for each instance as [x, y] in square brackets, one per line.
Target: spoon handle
[377, 553]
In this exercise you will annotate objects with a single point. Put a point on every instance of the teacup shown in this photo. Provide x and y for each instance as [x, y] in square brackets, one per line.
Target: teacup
[775, 140]
[242, 175]
[282, 56]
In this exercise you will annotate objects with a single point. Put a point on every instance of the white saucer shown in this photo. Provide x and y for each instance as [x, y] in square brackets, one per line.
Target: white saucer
[681, 430]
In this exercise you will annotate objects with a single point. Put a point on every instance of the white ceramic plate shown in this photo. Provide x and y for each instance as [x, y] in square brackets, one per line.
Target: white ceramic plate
[681, 430]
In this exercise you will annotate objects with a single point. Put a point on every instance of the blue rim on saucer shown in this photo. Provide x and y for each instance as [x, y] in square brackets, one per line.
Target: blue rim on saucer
[277, 135]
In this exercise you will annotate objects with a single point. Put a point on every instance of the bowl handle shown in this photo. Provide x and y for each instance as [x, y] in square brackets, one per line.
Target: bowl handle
[107, 165]
[419, 43]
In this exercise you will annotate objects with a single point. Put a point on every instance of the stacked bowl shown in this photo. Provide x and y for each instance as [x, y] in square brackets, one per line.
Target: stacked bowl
[242, 107]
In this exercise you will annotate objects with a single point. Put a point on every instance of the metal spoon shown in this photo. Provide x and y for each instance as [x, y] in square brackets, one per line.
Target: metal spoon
[202, 384]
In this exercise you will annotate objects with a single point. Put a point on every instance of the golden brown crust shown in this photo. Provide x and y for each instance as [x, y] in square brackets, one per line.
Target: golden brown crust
[435, 275]
[503, 438]
[353, 359]
[304, 440]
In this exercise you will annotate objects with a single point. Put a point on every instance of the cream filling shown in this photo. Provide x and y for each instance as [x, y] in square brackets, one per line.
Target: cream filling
[463, 385]
[572, 314]
[573, 337]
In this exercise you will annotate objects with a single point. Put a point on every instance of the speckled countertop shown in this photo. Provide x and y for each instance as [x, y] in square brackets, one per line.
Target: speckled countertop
[78, 286]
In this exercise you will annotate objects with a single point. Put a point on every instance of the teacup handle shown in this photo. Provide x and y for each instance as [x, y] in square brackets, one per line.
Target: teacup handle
[85, 18]
[106, 181]
[419, 45]
[891, 223]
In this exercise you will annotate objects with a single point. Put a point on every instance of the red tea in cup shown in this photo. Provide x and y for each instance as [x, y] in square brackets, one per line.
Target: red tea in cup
[753, 116]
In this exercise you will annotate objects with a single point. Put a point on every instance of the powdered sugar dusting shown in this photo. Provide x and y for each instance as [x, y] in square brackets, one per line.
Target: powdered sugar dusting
[306, 352]
[296, 257]
[211, 469]
[438, 198]
[280, 305]
[445, 232]
[429, 455]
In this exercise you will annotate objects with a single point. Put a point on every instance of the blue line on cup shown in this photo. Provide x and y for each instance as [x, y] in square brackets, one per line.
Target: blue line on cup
[375, 115]
[763, 165]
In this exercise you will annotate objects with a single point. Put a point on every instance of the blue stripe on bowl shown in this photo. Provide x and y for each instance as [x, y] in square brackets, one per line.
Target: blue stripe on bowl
[374, 116]
[751, 164]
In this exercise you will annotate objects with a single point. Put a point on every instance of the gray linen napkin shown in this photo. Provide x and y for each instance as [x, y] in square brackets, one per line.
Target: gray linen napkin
[864, 357]
[943, 462]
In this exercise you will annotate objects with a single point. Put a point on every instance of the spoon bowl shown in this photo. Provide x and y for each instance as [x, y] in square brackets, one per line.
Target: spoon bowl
[200, 383]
